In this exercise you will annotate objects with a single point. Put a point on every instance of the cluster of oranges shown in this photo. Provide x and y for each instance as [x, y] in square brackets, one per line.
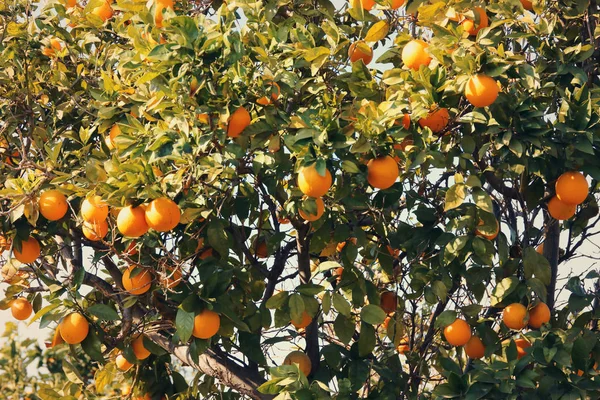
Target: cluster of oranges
[571, 189]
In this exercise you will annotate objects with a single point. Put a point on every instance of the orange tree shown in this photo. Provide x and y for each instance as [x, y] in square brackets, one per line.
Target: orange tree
[220, 184]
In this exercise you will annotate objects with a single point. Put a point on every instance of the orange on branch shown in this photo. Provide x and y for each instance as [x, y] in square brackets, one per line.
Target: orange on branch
[30, 251]
[238, 121]
[514, 316]
[301, 359]
[539, 315]
[304, 322]
[137, 345]
[405, 121]
[388, 302]
[53, 205]
[94, 209]
[490, 236]
[475, 348]
[139, 283]
[122, 363]
[275, 91]
[481, 90]
[206, 324]
[131, 221]
[104, 11]
[56, 338]
[527, 4]
[162, 214]
[458, 333]
[311, 183]
[382, 172]
[21, 308]
[261, 249]
[471, 26]
[559, 210]
[95, 231]
[360, 51]
[522, 344]
[403, 346]
[340, 246]
[396, 4]
[414, 54]
[313, 217]
[110, 139]
[172, 278]
[572, 188]
[436, 120]
[74, 328]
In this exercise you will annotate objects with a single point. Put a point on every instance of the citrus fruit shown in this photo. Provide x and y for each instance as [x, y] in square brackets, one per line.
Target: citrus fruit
[436, 120]
[313, 217]
[360, 51]
[490, 236]
[403, 346]
[95, 231]
[94, 209]
[275, 91]
[261, 250]
[30, 251]
[53, 205]
[139, 283]
[481, 90]
[559, 210]
[458, 333]
[21, 308]
[104, 11]
[110, 139]
[137, 345]
[304, 322]
[131, 221]
[311, 183]
[471, 27]
[572, 188]
[396, 4]
[206, 324]
[388, 302]
[515, 316]
[367, 4]
[300, 359]
[162, 214]
[474, 348]
[238, 121]
[527, 4]
[539, 315]
[522, 344]
[74, 328]
[382, 172]
[414, 54]
[172, 278]
[56, 338]
[122, 363]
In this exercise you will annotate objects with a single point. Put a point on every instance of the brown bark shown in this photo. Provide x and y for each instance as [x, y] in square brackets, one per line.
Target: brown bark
[551, 246]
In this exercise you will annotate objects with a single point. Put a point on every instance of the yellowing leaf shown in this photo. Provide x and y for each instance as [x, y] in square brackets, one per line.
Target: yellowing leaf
[377, 32]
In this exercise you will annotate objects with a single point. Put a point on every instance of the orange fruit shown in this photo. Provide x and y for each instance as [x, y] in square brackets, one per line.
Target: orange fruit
[304, 322]
[341, 245]
[71, 3]
[403, 346]
[393, 252]
[488, 237]
[522, 344]
[74, 328]
[540, 248]
[122, 363]
[162, 214]
[275, 92]
[48, 51]
[313, 217]
[53, 205]
[30, 251]
[405, 121]
[396, 4]
[311, 183]
[138, 284]
[172, 278]
[104, 12]
[261, 250]
[299, 358]
[338, 273]
[238, 121]
[206, 253]
[469, 25]
[367, 4]
[539, 315]
[56, 338]
[414, 54]
[131, 221]
[360, 51]
[21, 308]
[203, 118]
[458, 333]
[527, 4]
[382, 172]
[559, 210]
[481, 90]
[137, 345]
[515, 316]
[206, 324]
[56, 44]
[436, 120]
[158, 13]
[5, 243]
[94, 209]
[572, 188]
[110, 139]
[388, 302]
[95, 231]
[475, 348]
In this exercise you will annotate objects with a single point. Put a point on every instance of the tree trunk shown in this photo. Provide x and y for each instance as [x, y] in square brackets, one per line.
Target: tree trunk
[551, 246]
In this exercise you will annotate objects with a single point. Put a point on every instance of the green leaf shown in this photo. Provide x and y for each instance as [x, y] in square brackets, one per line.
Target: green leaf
[366, 340]
[296, 307]
[536, 265]
[440, 290]
[184, 323]
[310, 289]
[217, 237]
[42, 312]
[277, 301]
[445, 318]
[482, 200]
[344, 328]
[372, 314]
[103, 312]
[455, 196]
[341, 304]
[504, 288]
[105, 376]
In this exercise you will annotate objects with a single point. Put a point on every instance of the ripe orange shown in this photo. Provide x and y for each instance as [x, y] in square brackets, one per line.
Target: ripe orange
[313, 217]
[522, 344]
[311, 183]
[458, 333]
[403, 346]
[56, 44]
[388, 302]
[559, 210]
[158, 13]
[360, 51]
[162, 214]
[527, 4]
[340, 246]
[56, 339]
[74, 328]
[53, 205]
[469, 25]
[515, 316]
[30, 251]
[275, 92]
[137, 345]
[488, 237]
[110, 139]
[382, 172]
[481, 90]
[5, 243]
[304, 322]
[131, 221]
[122, 363]
[572, 188]
[405, 121]
[206, 324]
[94, 209]
[172, 278]
[414, 54]
[21, 308]
[138, 284]
[299, 358]
[396, 4]
[71, 3]
[475, 348]
[436, 120]
[104, 12]
[338, 273]
[95, 231]
[540, 248]
[539, 315]
[238, 121]
[261, 250]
